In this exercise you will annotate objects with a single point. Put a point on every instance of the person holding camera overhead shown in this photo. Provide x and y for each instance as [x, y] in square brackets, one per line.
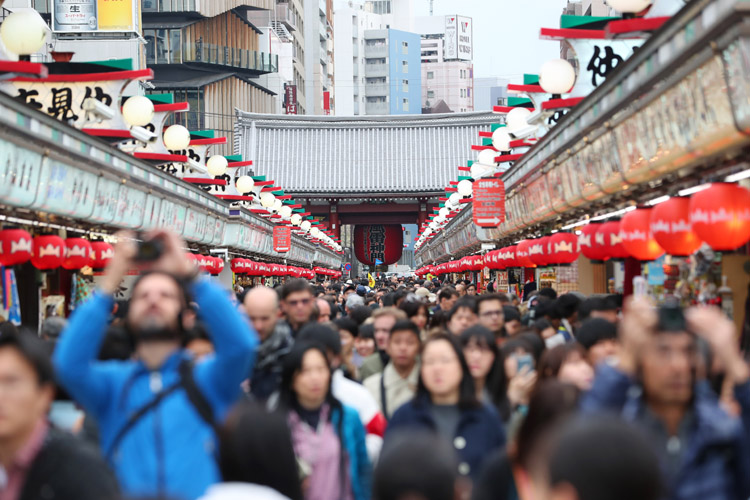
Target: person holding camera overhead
[157, 413]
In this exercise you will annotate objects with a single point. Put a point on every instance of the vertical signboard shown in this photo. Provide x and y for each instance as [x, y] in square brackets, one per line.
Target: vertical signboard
[78, 16]
[488, 207]
[290, 99]
[450, 48]
[282, 238]
[465, 39]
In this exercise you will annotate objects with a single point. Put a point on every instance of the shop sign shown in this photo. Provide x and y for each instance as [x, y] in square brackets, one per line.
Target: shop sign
[172, 216]
[20, 171]
[195, 225]
[105, 200]
[488, 207]
[87, 16]
[151, 212]
[66, 190]
[282, 239]
[290, 99]
[597, 59]
[131, 206]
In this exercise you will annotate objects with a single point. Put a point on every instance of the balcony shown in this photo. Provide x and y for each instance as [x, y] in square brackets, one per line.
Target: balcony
[377, 108]
[250, 60]
[377, 90]
[285, 15]
[379, 70]
[379, 51]
[323, 30]
[355, 50]
[206, 8]
[355, 69]
[355, 30]
[322, 6]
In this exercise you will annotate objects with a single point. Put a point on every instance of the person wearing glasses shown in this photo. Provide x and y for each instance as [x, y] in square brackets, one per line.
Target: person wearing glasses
[491, 315]
[297, 304]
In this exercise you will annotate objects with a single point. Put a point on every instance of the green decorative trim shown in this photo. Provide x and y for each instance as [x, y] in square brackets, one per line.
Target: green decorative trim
[470, 163]
[278, 193]
[259, 178]
[232, 158]
[160, 98]
[518, 101]
[121, 64]
[496, 126]
[530, 79]
[486, 141]
[585, 22]
[203, 134]
[464, 178]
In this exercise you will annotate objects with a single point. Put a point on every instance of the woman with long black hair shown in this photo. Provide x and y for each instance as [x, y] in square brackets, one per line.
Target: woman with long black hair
[328, 437]
[487, 366]
[446, 403]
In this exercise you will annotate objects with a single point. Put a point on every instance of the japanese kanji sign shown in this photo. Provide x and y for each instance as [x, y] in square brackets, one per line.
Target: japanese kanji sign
[282, 238]
[489, 202]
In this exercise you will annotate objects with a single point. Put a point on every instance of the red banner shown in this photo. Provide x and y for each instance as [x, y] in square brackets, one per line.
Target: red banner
[282, 238]
[489, 202]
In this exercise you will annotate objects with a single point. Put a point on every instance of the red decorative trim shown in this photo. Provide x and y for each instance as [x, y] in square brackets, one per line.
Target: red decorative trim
[259, 210]
[202, 180]
[560, 34]
[451, 190]
[268, 189]
[236, 164]
[141, 74]
[234, 197]
[442, 199]
[206, 142]
[561, 103]
[520, 143]
[482, 148]
[531, 89]
[284, 197]
[295, 206]
[485, 134]
[504, 158]
[453, 183]
[466, 200]
[635, 25]
[464, 169]
[175, 106]
[264, 183]
[107, 132]
[25, 67]
[161, 157]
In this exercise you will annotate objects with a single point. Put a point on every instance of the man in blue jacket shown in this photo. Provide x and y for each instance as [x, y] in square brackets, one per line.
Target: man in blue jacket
[156, 413]
[656, 385]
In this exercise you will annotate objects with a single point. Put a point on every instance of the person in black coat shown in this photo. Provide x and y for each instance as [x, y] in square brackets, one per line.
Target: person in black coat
[38, 461]
[446, 404]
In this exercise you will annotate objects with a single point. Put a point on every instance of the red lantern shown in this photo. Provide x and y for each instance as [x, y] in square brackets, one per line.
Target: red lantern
[101, 253]
[609, 237]
[204, 263]
[77, 254]
[538, 251]
[636, 235]
[378, 241]
[720, 216]
[238, 266]
[15, 247]
[670, 225]
[591, 248]
[510, 257]
[48, 252]
[522, 254]
[478, 263]
[564, 248]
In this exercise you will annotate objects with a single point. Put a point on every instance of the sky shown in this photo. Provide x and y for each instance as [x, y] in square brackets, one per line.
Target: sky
[506, 33]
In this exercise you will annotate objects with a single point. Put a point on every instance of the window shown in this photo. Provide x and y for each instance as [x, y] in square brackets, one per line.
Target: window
[430, 94]
[405, 104]
[430, 75]
[404, 47]
[404, 85]
[163, 46]
[405, 66]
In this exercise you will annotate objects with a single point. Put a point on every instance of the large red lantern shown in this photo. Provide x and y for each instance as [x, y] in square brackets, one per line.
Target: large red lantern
[538, 251]
[670, 225]
[564, 248]
[101, 253]
[77, 254]
[609, 237]
[635, 229]
[48, 252]
[15, 247]
[590, 246]
[378, 242]
[510, 256]
[238, 266]
[522, 254]
[720, 216]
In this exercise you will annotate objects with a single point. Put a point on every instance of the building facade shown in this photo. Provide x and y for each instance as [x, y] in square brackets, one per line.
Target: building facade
[489, 92]
[447, 63]
[318, 55]
[393, 74]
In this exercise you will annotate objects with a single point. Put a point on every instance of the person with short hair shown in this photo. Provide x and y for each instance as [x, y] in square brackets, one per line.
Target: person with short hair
[383, 320]
[131, 399]
[567, 363]
[598, 307]
[52, 327]
[491, 314]
[446, 297]
[364, 344]
[471, 289]
[324, 310]
[512, 325]
[446, 405]
[598, 336]
[297, 304]
[397, 383]
[261, 304]
[462, 315]
[37, 460]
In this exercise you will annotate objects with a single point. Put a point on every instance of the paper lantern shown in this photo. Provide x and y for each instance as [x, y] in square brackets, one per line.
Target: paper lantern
[590, 246]
[522, 254]
[238, 266]
[609, 237]
[670, 225]
[635, 230]
[15, 247]
[48, 252]
[77, 254]
[720, 216]
[101, 253]
[538, 251]
[510, 257]
[378, 242]
[564, 248]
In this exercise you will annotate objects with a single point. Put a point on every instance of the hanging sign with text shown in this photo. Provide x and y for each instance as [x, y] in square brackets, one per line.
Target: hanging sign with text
[282, 238]
[489, 202]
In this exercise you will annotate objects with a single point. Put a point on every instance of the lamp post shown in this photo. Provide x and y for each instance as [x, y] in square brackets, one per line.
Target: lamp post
[23, 33]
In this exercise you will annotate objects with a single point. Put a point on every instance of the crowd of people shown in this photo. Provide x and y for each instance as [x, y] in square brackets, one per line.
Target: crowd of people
[414, 389]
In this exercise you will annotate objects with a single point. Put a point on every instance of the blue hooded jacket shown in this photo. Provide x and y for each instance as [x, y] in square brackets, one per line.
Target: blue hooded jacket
[716, 463]
[170, 451]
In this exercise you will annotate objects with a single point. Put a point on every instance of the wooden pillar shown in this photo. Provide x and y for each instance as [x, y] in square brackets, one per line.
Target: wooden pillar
[632, 269]
[422, 215]
[333, 217]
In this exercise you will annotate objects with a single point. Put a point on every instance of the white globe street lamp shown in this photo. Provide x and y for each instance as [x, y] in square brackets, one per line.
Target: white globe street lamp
[138, 111]
[217, 165]
[267, 199]
[277, 204]
[465, 188]
[454, 199]
[176, 138]
[244, 184]
[286, 211]
[557, 76]
[305, 226]
[629, 6]
[516, 119]
[501, 139]
[23, 32]
[296, 219]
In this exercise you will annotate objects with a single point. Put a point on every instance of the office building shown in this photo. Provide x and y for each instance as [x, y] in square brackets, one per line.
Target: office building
[490, 92]
[393, 74]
